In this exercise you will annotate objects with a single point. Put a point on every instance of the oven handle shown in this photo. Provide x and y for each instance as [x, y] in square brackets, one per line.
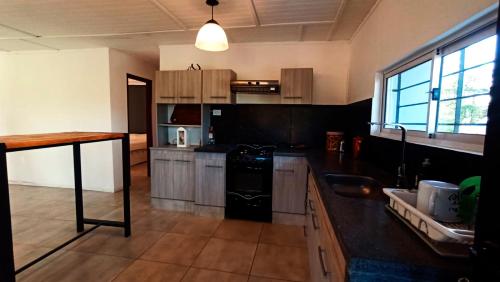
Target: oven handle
[247, 198]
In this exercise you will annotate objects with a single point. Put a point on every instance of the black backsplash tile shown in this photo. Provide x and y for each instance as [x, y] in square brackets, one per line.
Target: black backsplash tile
[301, 124]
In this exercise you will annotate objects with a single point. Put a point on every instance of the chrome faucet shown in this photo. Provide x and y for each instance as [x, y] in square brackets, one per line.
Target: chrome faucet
[401, 180]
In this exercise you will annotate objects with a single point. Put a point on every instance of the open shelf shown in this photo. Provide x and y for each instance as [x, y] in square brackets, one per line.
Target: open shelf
[178, 125]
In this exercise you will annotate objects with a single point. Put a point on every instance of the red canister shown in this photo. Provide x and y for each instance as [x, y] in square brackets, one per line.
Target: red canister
[333, 139]
[356, 146]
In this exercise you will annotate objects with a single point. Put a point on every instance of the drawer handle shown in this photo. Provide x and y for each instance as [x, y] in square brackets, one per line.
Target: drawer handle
[311, 205]
[214, 166]
[285, 170]
[187, 97]
[292, 97]
[163, 160]
[183, 161]
[169, 97]
[321, 254]
[315, 221]
[218, 97]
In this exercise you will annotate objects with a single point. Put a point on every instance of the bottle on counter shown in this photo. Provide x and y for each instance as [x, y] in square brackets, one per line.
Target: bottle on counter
[424, 171]
[211, 135]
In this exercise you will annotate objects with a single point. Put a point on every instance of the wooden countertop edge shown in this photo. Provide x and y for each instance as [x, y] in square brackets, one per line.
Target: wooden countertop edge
[51, 139]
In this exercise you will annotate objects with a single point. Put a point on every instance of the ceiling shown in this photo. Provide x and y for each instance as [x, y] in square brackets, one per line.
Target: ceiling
[140, 26]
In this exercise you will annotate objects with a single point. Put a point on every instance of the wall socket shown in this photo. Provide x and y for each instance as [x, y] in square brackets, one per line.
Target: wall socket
[217, 113]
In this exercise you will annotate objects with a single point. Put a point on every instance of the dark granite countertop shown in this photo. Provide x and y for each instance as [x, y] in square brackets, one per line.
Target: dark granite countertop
[376, 245]
[216, 148]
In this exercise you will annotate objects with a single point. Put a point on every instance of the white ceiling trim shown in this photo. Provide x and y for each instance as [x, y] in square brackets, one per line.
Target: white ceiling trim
[169, 14]
[31, 35]
[255, 16]
[336, 20]
[39, 44]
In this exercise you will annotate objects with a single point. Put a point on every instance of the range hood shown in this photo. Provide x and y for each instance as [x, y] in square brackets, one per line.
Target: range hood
[263, 87]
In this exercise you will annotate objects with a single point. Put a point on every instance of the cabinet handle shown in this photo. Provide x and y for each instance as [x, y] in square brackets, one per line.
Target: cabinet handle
[321, 254]
[170, 97]
[218, 96]
[292, 97]
[315, 221]
[183, 161]
[311, 205]
[285, 170]
[163, 160]
[187, 97]
[214, 166]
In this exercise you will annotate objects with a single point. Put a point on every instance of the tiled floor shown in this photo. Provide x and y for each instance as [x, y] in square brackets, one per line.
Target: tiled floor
[164, 246]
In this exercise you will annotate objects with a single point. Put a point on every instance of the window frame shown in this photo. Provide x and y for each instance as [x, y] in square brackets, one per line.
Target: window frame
[465, 142]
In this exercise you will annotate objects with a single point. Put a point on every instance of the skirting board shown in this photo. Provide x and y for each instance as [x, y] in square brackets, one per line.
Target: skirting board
[289, 218]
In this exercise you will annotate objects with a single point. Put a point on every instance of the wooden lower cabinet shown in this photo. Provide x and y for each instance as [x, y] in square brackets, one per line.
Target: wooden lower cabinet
[326, 261]
[210, 179]
[289, 184]
[173, 174]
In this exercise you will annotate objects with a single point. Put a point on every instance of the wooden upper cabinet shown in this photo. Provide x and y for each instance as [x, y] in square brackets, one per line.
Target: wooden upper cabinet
[217, 86]
[189, 87]
[296, 86]
[178, 87]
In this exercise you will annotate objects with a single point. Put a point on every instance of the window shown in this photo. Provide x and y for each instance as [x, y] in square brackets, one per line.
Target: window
[443, 93]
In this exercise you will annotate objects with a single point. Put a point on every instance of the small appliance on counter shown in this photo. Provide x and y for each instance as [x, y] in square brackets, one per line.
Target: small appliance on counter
[249, 186]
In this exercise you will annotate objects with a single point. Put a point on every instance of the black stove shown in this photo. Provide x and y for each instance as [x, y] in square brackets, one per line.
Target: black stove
[250, 183]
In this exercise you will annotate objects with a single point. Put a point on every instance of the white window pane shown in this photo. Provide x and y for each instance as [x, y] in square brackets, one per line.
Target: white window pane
[446, 112]
[478, 80]
[472, 129]
[416, 127]
[474, 109]
[413, 114]
[449, 86]
[391, 99]
[451, 63]
[417, 74]
[480, 52]
[415, 94]
[446, 128]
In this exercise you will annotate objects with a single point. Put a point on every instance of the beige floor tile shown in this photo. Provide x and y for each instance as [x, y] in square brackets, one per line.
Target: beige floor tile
[196, 225]
[279, 234]
[157, 221]
[25, 253]
[281, 262]
[225, 255]
[247, 231]
[74, 267]
[176, 248]
[151, 271]
[204, 275]
[110, 241]
[46, 233]
[263, 279]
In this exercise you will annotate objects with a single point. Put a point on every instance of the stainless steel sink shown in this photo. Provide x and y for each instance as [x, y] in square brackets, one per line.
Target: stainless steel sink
[353, 186]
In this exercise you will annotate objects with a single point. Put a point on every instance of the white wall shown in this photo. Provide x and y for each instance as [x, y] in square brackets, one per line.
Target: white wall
[330, 61]
[395, 29]
[52, 91]
[120, 64]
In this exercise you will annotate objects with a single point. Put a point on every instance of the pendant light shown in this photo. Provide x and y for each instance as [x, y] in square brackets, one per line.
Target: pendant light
[211, 36]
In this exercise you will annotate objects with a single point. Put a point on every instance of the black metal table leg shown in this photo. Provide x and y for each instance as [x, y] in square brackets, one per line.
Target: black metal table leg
[7, 268]
[77, 167]
[126, 183]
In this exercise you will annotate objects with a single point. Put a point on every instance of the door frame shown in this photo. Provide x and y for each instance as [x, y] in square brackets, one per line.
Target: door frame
[149, 114]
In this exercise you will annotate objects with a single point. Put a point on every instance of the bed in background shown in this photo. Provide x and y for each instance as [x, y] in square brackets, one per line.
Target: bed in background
[138, 148]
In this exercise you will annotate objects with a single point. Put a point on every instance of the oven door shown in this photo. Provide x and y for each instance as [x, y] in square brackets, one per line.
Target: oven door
[250, 179]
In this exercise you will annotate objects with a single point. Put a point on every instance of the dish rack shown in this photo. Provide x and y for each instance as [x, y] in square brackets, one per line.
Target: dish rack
[447, 239]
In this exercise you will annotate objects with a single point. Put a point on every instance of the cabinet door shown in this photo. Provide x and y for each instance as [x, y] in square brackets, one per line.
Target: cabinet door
[161, 170]
[289, 184]
[211, 179]
[165, 90]
[296, 86]
[217, 86]
[183, 176]
[189, 87]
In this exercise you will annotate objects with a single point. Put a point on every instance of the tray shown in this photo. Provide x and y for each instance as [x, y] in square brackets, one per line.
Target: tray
[404, 202]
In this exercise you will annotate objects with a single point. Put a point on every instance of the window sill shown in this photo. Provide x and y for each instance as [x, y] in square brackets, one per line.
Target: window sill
[468, 148]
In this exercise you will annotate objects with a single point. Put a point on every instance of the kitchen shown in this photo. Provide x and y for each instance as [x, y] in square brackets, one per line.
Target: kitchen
[274, 159]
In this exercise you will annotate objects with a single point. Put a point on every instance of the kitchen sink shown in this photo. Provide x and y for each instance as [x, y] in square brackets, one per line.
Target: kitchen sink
[353, 186]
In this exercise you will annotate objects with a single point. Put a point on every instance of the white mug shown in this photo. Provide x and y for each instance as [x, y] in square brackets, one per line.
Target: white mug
[439, 200]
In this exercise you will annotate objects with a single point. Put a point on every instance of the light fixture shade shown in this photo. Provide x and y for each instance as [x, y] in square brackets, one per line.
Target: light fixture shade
[211, 37]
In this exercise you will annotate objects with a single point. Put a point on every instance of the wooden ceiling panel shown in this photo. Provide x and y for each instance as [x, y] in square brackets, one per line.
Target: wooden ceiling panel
[76, 17]
[289, 11]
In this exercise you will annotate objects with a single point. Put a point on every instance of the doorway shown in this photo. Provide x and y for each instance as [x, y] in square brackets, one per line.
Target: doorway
[139, 117]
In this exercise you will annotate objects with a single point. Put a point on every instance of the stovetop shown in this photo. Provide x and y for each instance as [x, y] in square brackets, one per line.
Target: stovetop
[255, 150]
